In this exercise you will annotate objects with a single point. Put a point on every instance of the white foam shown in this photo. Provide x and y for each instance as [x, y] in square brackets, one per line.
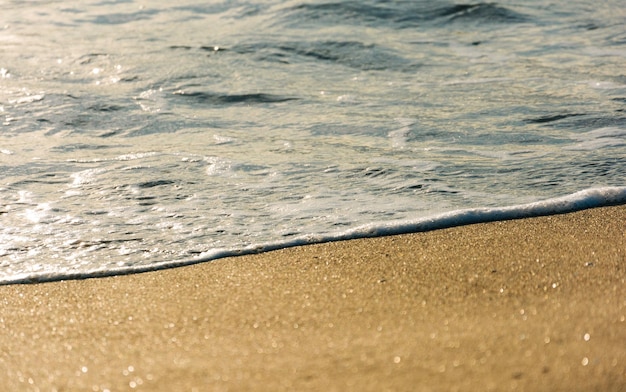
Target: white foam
[585, 199]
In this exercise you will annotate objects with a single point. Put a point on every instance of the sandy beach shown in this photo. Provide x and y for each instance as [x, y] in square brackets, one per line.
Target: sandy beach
[535, 304]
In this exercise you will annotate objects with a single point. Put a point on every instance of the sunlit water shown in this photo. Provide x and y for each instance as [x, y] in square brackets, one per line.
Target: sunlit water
[138, 134]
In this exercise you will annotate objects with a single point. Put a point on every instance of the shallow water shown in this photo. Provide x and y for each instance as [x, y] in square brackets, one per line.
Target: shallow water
[134, 136]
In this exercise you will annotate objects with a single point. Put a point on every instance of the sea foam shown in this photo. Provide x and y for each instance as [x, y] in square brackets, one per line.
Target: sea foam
[585, 199]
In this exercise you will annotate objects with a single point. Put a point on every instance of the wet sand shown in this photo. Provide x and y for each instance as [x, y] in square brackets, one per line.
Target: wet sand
[535, 304]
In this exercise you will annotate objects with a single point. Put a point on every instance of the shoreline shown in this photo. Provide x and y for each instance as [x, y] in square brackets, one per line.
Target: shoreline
[529, 304]
[578, 201]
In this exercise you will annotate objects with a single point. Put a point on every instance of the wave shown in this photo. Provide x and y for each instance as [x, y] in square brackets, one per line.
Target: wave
[122, 18]
[353, 54]
[585, 199]
[403, 14]
[200, 97]
[579, 120]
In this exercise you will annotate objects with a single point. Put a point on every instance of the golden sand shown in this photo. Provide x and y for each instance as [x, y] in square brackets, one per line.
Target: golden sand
[536, 304]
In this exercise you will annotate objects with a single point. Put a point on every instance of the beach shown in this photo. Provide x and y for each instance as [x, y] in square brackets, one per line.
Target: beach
[533, 304]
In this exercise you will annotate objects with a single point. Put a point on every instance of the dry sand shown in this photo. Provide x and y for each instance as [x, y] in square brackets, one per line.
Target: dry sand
[534, 304]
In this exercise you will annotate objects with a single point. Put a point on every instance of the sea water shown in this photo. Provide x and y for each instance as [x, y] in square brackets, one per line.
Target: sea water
[137, 135]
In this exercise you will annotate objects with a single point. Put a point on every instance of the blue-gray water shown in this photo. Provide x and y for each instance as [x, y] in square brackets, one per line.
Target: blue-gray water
[140, 133]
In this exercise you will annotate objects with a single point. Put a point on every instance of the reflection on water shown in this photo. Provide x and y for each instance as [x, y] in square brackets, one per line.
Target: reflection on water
[139, 134]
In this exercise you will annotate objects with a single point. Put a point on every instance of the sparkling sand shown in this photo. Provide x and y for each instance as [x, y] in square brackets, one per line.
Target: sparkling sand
[533, 304]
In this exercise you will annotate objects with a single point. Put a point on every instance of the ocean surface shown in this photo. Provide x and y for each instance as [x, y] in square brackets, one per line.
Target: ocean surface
[141, 135]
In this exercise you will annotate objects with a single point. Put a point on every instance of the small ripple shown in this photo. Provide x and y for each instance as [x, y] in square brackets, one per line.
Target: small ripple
[152, 184]
[353, 54]
[199, 97]
[551, 118]
[482, 13]
[122, 18]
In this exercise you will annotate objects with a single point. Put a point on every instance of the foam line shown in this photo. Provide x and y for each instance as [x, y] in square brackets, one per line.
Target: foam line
[585, 199]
